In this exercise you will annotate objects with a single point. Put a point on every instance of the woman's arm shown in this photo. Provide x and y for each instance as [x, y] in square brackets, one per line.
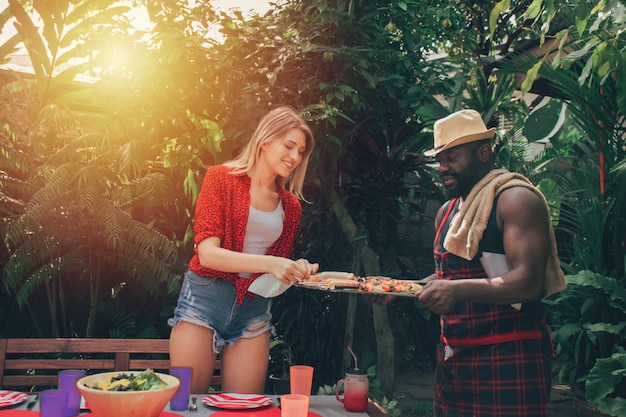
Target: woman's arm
[213, 256]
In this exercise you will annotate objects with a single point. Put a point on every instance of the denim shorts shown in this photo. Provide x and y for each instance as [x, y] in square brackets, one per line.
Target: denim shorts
[212, 303]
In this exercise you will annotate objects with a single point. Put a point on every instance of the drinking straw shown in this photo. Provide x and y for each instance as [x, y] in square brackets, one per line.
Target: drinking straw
[356, 365]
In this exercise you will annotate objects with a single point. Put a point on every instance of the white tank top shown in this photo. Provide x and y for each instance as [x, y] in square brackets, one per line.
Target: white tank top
[262, 230]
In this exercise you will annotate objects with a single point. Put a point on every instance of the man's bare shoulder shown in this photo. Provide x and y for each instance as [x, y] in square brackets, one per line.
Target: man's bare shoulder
[516, 201]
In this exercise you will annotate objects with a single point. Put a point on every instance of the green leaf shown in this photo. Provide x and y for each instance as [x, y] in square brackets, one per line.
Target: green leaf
[602, 327]
[563, 38]
[550, 189]
[612, 406]
[606, 58]
[531, 76]
[64, 78]
[544, 122]
[620, 82]
[602, 379]
[190, 185]
[498, 9]
[581, 17]
[533, 10]
[50, 24]
[582, 52]
[585, 72]
[32, 41]
[613, 289]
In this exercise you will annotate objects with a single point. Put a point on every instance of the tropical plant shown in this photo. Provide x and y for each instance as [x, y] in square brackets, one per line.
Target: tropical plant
[78, 228]
[591, 318]
[281, 357]
[587, 73]
[82, 219]
[605, 383]
[597, 30]
[318, 312]
[492, 96]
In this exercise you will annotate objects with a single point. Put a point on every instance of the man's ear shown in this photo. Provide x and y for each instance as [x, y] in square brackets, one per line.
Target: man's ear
[484, 152]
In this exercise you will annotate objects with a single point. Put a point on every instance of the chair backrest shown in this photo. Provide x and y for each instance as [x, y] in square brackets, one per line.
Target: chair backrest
[33, 364]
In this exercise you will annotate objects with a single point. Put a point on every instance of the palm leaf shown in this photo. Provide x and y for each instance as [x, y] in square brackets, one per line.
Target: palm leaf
[37, 51]
[122, 324]
[605, 375]
[52, 24]
[81, 22]
[611, 287]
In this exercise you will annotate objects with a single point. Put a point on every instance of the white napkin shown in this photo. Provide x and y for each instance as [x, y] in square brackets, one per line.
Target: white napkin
[495, 264]
[267, 286]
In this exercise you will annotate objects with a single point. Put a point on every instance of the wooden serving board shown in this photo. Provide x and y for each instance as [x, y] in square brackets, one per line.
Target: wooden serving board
[352, 290]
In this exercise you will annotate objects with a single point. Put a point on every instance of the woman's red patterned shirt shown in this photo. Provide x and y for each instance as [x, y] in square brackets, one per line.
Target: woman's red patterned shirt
[222, 210]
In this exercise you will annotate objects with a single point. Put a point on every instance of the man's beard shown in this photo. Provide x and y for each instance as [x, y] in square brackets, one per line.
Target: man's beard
[463, 186]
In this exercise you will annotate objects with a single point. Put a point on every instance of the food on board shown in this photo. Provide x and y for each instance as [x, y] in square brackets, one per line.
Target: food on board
[386, 284]
[376, 284]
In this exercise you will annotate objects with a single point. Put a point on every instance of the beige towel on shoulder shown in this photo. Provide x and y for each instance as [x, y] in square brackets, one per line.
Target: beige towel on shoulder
[468, 226]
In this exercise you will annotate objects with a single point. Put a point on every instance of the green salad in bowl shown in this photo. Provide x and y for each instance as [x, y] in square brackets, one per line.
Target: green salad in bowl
[127, 393]
[143, 381]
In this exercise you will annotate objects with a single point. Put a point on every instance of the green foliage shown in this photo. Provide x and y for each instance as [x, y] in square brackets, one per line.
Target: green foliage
[605, 380]
[390, 406]
[590, 186]
[492, 97]
[420, 408]
[416, 332]
[543, 121]
[589, 317]
[46, 42]
[591, 327]
[385, 187]
[326, 389]
[597, 29]
[281, 358]
[86, 209]
[81, 217]
[323, 315]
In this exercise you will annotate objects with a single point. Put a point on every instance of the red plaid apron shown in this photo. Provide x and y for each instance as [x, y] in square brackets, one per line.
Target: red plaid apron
[492, 360]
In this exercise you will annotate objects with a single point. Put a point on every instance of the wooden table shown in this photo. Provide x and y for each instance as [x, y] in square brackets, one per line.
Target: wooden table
[324, 405]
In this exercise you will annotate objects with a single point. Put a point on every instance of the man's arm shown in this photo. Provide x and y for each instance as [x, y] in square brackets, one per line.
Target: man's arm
[524, 221]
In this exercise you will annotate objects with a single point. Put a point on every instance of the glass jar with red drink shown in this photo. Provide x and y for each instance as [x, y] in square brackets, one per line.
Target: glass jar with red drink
[355, 390]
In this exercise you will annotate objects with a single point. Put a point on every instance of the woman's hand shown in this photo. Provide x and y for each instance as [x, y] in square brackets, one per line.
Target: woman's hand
[310, 268]
[288, 271]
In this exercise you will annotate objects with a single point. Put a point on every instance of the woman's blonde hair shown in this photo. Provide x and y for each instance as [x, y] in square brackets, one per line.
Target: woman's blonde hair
[274, 126]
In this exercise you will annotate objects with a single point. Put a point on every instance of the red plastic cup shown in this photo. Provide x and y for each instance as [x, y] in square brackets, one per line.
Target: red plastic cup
[301, 379]
[294, 405]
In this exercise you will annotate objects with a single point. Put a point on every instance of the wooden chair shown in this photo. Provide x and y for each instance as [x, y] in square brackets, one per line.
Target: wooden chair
[33, 364]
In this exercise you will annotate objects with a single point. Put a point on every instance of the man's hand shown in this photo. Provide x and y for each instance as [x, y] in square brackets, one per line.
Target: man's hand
[438, 296]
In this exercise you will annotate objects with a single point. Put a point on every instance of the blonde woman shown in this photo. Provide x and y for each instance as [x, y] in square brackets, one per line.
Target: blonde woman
[246, 218]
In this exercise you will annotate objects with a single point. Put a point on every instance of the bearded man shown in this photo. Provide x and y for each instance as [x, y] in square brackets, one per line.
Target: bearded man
[495, 259]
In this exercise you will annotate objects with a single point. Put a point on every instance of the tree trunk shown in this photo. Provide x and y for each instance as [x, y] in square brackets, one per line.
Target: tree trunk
[348, 361]
[385, 369]
[368, 259]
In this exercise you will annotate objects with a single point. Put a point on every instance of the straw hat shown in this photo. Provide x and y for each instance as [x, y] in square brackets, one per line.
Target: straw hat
[459, 128]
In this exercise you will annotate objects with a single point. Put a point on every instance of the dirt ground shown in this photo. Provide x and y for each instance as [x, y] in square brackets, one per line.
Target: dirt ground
[414, 393]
